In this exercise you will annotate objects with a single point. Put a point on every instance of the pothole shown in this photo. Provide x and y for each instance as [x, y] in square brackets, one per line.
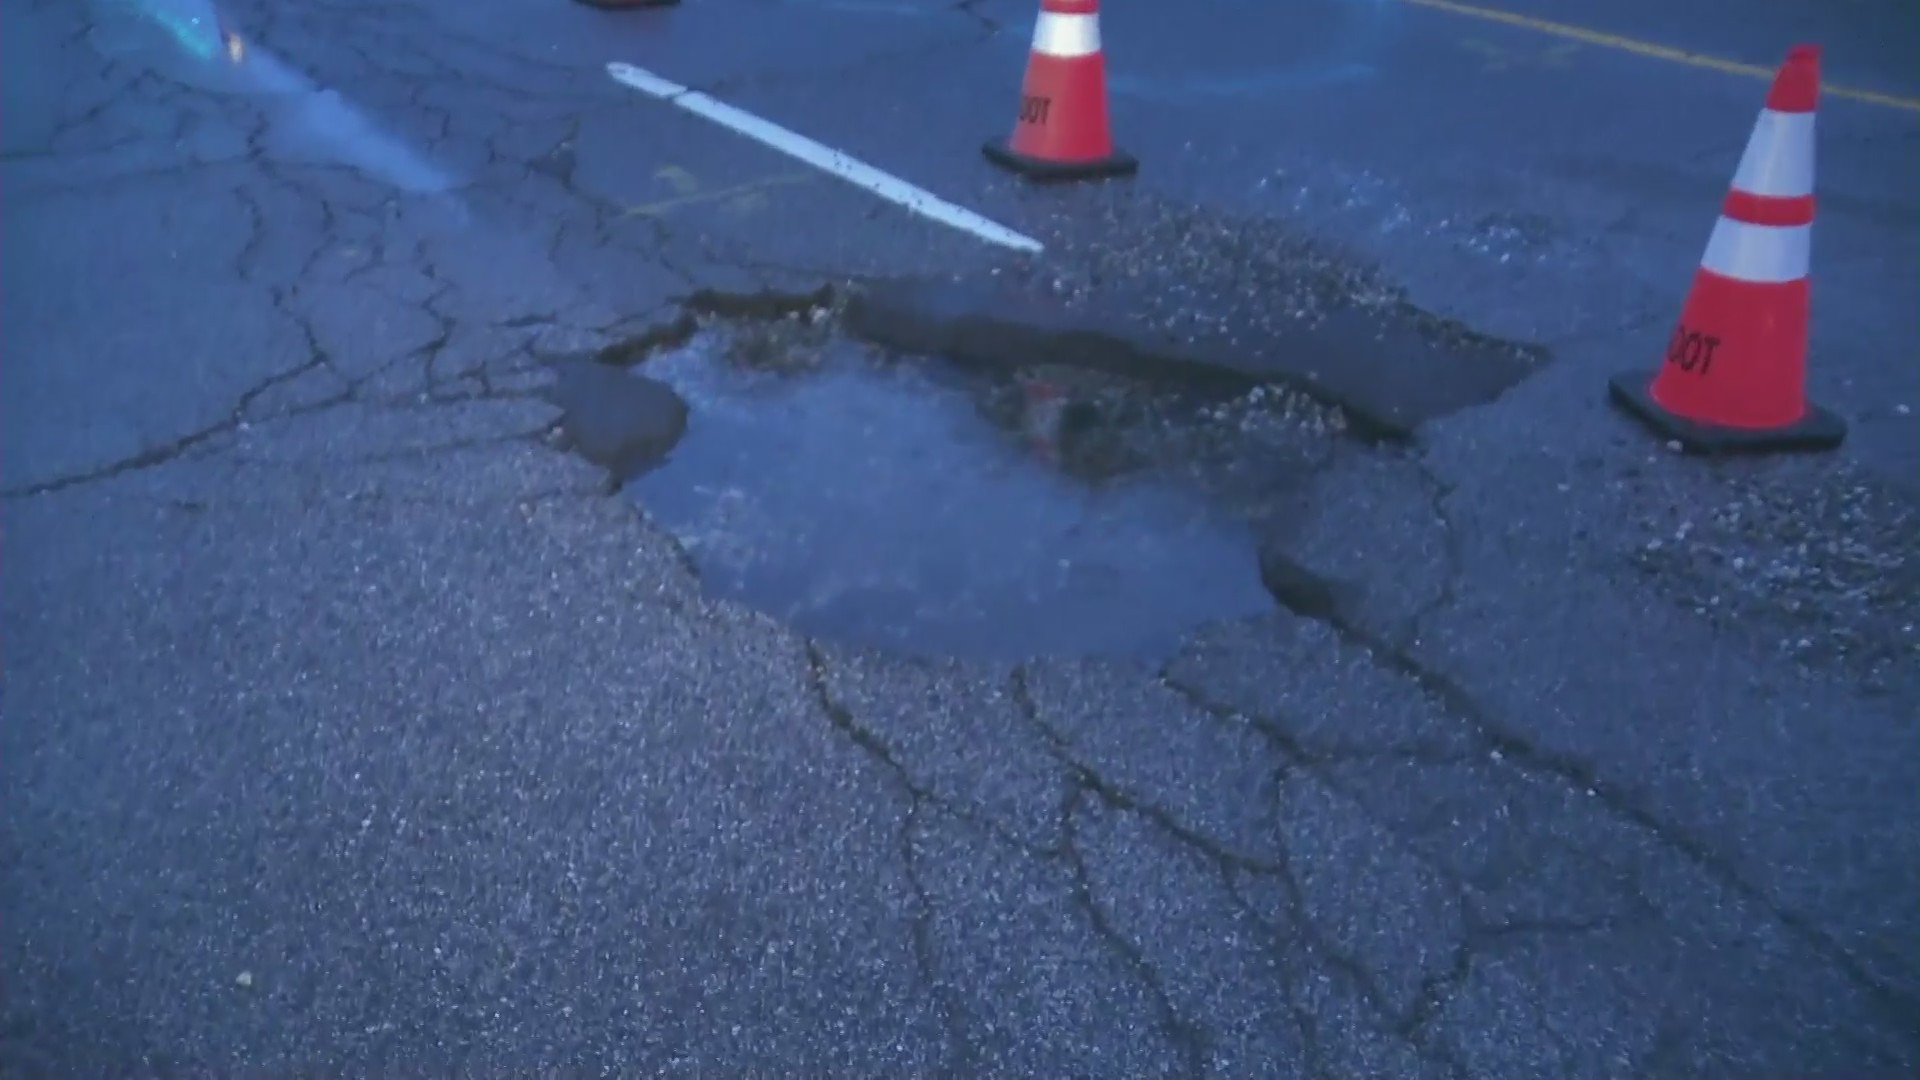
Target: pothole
[903, 503]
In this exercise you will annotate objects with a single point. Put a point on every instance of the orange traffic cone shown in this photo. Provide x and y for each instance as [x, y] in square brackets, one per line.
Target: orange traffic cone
[1062, 131]
[1735, 373]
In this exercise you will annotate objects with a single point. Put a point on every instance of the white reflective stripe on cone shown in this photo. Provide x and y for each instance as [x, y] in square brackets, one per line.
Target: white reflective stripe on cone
[1759, 253]
[1779, 156]
[1066, 35]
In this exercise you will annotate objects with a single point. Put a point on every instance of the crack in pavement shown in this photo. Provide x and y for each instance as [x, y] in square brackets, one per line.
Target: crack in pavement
[953, 1010]
[1313, 941]
[1297, 939]
[1304, 943]
[174, 448]
[971, 9]
[1087, 781]
[1440, 492]
[257, 227]
[1225, 861]
[1188, 1038]
[1501, 744]
[843, 720]
[1478, 934]
[1084, 776]
[241, 415]
[1298, 946]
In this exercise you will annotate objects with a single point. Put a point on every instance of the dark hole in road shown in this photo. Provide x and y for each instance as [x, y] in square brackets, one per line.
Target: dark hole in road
[903, 503]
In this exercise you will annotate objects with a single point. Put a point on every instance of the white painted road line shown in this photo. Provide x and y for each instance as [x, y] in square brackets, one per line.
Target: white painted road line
[825, 158]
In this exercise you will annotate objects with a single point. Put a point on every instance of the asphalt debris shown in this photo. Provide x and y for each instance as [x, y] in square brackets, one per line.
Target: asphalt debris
[617, 419]
[1303, 591]
[1823, 561]
[1169, 290]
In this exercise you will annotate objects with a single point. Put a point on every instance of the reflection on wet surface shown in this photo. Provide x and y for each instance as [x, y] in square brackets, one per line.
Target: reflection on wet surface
[193, 42]
[905, 505]
[190, 29]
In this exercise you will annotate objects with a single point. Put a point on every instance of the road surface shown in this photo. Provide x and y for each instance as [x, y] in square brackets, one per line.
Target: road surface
[354, 728]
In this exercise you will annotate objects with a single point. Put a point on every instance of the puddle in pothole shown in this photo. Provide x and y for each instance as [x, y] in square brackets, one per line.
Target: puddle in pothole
[911, 506]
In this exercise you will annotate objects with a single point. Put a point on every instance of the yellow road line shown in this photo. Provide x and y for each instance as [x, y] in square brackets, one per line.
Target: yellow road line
[1648, 49]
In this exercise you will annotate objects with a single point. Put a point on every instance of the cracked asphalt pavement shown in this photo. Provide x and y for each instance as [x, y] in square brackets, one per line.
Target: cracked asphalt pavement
[353, 727]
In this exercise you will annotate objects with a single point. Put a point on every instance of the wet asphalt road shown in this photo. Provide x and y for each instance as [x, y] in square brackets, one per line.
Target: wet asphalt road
[353, 729]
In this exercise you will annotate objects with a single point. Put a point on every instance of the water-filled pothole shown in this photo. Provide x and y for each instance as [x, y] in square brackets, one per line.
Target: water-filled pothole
[906, 504]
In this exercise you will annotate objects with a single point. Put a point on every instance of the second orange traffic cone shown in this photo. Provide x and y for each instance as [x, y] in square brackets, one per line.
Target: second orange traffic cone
[1735, 373]
[1062, 132]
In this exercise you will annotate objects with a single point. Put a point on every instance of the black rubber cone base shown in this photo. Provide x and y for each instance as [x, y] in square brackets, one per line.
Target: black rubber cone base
[1817, 430]
[623, 5]
[1118, 163]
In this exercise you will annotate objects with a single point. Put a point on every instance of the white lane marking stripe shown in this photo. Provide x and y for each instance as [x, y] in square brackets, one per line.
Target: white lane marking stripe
[825, 158]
